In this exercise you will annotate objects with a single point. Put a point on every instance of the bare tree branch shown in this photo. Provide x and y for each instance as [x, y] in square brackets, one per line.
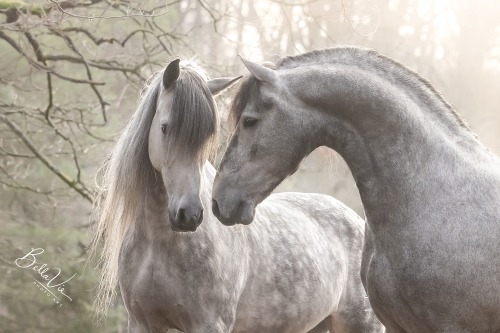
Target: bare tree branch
[75, 185]
[45, 41]
[130, 12]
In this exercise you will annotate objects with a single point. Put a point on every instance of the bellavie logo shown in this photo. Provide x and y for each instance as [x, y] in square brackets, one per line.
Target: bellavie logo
[46, 278]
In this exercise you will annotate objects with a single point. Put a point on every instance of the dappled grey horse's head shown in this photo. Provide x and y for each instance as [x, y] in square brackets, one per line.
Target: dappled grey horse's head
[267, 143]
[182, 136]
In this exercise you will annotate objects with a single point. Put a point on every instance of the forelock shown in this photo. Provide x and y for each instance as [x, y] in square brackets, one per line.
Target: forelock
[194, 120]
[247, 89]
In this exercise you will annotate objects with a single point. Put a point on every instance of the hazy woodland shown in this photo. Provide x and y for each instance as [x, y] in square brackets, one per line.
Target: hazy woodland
[71, 73]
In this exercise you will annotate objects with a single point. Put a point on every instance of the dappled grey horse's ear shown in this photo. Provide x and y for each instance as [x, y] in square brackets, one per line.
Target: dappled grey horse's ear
[218, 85]
[261, 73]
[171, 73]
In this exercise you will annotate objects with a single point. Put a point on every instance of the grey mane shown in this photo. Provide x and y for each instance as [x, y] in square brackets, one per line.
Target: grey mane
[194, 125]
[247, 88]
[352, 56]
[131, 153]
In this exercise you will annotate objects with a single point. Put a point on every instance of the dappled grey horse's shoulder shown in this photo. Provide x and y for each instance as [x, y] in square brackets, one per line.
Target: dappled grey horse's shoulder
[324, 209]
[315, 202]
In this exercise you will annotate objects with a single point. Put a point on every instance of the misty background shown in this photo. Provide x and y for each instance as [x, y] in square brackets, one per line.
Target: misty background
[71, 74]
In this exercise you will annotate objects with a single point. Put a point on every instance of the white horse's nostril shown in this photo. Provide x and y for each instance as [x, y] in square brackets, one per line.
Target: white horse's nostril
[181, 215]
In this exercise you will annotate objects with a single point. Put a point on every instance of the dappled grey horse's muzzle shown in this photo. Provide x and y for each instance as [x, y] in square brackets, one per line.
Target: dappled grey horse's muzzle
[230, 205]
[233, 212]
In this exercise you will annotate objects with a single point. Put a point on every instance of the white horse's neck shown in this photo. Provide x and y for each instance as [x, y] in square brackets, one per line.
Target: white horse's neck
[208, 181]
[209, 173]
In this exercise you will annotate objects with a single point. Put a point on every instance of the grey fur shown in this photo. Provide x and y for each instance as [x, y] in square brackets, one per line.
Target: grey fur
[430, 189]
[291, 271]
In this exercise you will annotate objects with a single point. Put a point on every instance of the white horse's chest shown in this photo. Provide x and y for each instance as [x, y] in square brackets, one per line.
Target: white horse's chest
[148, 289]
[174, 282]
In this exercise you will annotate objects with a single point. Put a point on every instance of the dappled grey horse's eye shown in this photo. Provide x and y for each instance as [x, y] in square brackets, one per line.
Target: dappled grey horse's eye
[164, 128]
[249, 122]
[267, 104]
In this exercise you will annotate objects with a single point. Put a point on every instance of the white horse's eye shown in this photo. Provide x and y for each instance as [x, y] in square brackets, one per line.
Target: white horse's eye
[249, 122]
[164, 128]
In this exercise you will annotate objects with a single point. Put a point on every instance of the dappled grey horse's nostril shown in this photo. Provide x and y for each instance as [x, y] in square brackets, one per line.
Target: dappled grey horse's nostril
[225, 217]
[218, 215]
[215, 208]
[200, 218]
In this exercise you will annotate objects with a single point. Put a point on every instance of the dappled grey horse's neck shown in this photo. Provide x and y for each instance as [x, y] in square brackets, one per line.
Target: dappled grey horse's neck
[362, 75]
[400, 139]
[377, 105]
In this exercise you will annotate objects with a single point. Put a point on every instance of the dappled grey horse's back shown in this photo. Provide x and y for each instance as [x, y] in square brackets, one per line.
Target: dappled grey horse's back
[326, 237]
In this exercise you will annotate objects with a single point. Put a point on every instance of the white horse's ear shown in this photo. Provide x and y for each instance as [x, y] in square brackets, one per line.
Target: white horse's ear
[261, 73]
[171, 73]
[218, 85]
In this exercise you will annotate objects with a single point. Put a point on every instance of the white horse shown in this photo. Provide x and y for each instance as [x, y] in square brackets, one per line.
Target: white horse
[430, 189]
[295, 269]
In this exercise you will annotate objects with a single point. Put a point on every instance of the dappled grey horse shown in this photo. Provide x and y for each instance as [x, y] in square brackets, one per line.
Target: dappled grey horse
[430, 189]
[294, 270]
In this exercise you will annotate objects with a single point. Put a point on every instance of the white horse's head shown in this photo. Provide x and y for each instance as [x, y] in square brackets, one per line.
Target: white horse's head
[182, 136]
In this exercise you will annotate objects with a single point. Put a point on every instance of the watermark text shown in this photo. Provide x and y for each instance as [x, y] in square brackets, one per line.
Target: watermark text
[45, 279]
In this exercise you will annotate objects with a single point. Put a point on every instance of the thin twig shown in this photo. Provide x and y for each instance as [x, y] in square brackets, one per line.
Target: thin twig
[141, 13]
[81, 189]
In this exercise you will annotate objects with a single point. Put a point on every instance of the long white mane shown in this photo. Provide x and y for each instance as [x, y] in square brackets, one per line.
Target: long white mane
[124, 177]
[128, 175]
